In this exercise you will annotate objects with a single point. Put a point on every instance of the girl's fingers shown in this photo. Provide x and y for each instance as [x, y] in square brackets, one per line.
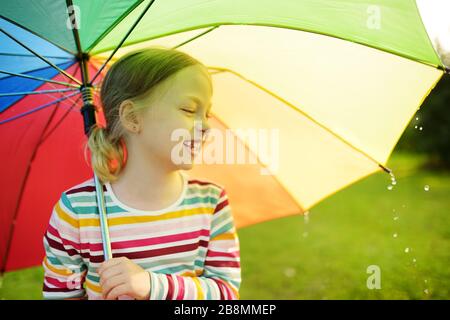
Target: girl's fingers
[110, 284]
[117, 291]
[110, 263]
[109, 273]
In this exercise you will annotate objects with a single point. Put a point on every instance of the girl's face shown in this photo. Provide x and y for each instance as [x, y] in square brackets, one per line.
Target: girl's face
[181, 104]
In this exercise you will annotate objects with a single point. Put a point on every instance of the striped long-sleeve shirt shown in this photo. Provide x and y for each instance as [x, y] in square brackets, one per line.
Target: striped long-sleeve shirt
[190, 249]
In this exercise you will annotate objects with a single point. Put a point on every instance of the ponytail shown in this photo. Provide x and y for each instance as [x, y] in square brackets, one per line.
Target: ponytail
[108, 157]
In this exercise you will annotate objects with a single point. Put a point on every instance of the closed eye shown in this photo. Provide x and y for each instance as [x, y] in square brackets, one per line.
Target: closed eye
[188, 111]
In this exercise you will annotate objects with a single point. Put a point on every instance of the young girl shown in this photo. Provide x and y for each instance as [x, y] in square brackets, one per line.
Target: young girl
[172, 236]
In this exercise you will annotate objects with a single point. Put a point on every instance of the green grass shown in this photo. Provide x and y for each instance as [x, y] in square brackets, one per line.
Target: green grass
[327, 257]
[352, 230]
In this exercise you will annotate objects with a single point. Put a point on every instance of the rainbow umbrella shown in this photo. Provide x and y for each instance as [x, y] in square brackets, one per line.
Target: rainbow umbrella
[337, 82]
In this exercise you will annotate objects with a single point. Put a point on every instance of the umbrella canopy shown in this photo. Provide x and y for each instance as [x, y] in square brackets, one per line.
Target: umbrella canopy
[337, 81]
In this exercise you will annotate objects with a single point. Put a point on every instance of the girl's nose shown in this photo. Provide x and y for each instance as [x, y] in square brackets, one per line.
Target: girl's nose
[201, 128]
[206, 126]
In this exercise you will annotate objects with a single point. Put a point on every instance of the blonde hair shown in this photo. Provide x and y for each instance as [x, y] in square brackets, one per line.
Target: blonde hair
[133, 77]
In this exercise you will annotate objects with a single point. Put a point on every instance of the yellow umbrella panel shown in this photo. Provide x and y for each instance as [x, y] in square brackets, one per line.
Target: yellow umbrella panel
[338, 107]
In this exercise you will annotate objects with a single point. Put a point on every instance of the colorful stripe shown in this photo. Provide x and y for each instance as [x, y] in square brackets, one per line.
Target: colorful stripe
[191, 251]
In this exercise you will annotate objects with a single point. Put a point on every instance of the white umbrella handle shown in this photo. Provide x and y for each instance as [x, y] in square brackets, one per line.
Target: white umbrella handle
[106, 241]
[103, 220]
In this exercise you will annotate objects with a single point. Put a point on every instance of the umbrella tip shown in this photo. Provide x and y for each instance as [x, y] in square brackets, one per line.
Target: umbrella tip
[385, 168]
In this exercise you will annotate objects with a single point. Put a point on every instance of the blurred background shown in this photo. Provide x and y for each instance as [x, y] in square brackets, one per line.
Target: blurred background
[404, 231]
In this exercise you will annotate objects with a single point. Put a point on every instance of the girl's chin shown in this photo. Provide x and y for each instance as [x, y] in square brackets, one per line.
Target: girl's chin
[185, 166]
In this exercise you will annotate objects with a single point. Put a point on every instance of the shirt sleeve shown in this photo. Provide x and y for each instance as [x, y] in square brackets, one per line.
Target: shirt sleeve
[221, 276]
[64, 269]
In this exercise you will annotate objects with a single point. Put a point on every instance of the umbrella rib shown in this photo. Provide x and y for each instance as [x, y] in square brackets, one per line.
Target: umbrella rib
[41, 57]
[60, 120]
[77, 67]
[37, 69]
[123, 40]
[31, 56]
[114, 24]
[35, 92]
[38, 78]
[219, 70]
[187, 41]
[38, 108]
[21, 193]
[197, 36]
[23, 97]
[35, 34]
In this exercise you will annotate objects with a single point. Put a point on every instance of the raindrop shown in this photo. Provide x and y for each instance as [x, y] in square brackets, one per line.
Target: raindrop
[395, 218]
[420, 128]
[406, 250]
[426, 291]
[289, 272]
[426, 281]
[306, 217]
[394, 235]
[415, 127]
[414, 260]
[393, 181]
[417, 118]
[426, 188]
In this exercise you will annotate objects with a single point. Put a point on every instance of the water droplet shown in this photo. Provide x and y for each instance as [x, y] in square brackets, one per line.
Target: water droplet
[394, 182]
[395, 218]
[390, 187]
[426, 281]
[406, 250]
[414, 260]
[289, 272]
[426, 291]
[415, 127]
[393, 210]
[426, 188]
[417, 118]
[306, 217]
[395, 235]
[420, 128]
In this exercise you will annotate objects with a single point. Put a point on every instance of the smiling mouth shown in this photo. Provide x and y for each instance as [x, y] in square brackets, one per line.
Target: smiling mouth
[194, 145]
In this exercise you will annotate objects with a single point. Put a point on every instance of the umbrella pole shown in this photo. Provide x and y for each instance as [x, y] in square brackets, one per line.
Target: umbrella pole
[103, 219]
[88, 112]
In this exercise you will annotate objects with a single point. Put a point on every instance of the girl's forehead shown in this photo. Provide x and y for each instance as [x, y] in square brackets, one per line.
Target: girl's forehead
[190, 81]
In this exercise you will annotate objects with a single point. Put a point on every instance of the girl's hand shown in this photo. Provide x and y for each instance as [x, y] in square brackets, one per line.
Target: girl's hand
[121, 276]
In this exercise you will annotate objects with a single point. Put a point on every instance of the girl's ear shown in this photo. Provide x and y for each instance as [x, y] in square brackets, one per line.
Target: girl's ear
[128, 116]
